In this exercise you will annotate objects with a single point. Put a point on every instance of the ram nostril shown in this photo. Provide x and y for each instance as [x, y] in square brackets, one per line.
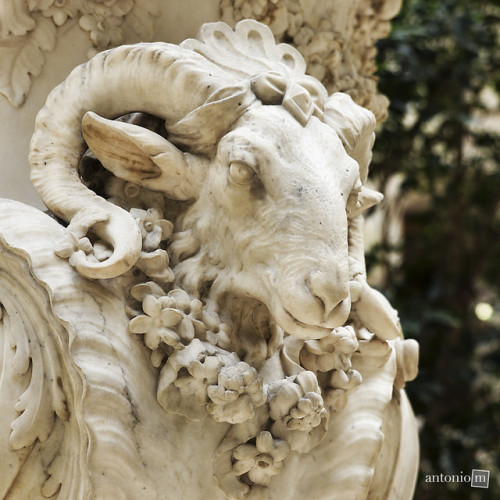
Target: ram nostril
[327, 291]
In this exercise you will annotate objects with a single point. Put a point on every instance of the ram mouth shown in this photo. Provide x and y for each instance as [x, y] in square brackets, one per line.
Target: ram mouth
[307, 331]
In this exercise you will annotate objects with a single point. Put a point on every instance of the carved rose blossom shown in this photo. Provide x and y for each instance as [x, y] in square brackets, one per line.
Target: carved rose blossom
[187, 376]
[296, 406]
[262, 460]
[238, 392]
[333, 351]
[182, 387]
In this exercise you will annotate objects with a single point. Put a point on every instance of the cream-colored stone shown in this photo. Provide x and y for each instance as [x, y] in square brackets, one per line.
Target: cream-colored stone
[202, 327]
[42, 40]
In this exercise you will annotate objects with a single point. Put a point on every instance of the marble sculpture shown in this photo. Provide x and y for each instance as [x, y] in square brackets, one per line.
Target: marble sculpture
[193, 319]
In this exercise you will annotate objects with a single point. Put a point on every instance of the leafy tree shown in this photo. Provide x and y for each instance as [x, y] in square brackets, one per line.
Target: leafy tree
[438, 67]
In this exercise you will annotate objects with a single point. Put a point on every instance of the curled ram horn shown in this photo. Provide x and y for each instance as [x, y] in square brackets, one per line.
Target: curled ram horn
[108, 84]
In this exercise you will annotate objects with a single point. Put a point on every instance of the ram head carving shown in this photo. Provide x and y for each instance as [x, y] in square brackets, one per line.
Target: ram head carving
[273, 168]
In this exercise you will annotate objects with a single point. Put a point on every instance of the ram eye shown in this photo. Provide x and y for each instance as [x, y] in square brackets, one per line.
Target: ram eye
[241, 173]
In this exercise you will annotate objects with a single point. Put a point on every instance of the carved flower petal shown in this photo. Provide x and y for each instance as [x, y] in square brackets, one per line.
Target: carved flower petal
[122, 8]
[236, 412]
[85, 245]
[170, 337]
[150, 288]
[315, 346]
[87, 22]
[186, 329]
[152, 338]
[102, 251]
[261, 475]
[140, 324]
[326, 362]
[208, 370]
[151, 240]
[242, 466]
[283, 398]
[166, 228]
[308, 381]
[196, 308]
[199, 327]
[151, 306]
[66, 247]
[170, 317]
[245, 452]
[181, 298]
[157, 357]
[217, 394]
[264, 442]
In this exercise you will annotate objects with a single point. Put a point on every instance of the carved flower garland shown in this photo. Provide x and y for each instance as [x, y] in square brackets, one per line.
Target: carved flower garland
[200, 375]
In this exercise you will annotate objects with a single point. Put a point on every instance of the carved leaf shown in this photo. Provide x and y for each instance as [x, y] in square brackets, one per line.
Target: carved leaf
[35, 368]
[23, 57]
[14, 18]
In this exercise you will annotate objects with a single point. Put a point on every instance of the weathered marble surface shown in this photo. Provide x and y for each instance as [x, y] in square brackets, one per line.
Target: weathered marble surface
[202, 328]
[42, 40]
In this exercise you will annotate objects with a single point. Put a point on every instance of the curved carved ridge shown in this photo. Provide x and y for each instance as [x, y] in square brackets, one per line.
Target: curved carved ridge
[337, 39]
[106, 463]
[38, 385]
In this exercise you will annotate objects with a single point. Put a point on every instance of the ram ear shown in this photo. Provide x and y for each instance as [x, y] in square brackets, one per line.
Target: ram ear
[138, 155]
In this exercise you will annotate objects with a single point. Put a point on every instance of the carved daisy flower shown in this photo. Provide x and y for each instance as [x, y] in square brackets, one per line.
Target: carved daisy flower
[158, 324]
[173, 319]
[262, 460]
[61, 10]
[104, 30]
[236, 396]
[72, 246]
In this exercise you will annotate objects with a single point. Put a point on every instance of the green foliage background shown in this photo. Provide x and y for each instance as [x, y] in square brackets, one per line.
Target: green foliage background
[435, 67]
